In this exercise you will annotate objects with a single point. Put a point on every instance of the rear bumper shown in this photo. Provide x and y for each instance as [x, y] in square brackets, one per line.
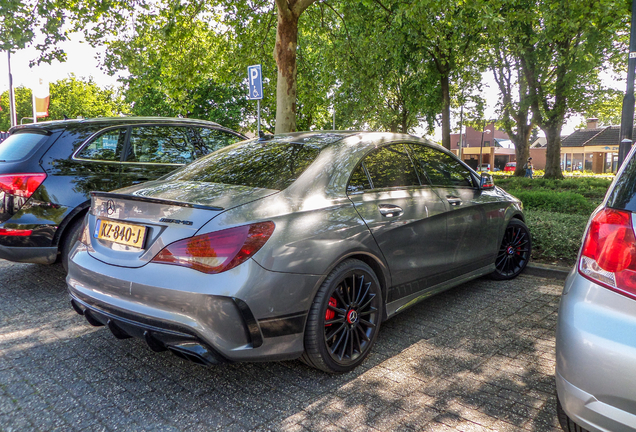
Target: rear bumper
[37, 255]
[245, 314]
[596, 356]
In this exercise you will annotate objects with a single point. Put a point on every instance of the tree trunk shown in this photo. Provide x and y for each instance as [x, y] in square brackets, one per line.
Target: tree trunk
[446, 143]
[285, 56]
[553, 151]
[522, 148]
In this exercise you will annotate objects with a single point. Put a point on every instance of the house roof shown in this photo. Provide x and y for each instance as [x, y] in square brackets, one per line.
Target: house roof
[540, 142]
[603, 136]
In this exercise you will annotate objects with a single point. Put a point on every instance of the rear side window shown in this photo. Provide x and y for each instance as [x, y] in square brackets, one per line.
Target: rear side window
[267, 165]
[440, 168]
[391, 166]
[206, 140]
[19, 145]
[160, 144]
[105, 147]
[623, 196]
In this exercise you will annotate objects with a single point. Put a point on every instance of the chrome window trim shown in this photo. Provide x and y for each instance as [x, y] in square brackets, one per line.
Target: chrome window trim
[151, 163]
[88, 140]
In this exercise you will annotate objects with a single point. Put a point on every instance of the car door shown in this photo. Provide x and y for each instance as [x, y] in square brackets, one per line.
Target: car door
[405, 217]
[475, 216]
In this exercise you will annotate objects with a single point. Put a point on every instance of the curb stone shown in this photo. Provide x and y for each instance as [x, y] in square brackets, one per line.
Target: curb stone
[547, 271]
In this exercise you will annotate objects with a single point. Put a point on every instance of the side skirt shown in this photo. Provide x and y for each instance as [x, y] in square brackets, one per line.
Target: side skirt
[399, 305]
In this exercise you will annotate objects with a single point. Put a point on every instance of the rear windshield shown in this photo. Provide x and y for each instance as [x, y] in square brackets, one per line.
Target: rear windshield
[267, 165]
[623, 196]
[18, 146]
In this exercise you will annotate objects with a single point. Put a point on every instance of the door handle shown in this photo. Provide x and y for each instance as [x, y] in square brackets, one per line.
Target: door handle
[453, 200]
[390, 210]
[141, 180]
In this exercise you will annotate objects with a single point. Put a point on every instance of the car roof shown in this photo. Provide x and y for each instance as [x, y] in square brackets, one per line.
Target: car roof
[321, 139]
[112, 121]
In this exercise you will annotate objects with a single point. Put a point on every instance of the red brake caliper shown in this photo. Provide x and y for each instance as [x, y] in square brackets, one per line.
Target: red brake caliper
[330, 314]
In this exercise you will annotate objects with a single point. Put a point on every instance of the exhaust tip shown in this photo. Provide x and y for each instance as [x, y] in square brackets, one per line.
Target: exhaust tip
[195, 353]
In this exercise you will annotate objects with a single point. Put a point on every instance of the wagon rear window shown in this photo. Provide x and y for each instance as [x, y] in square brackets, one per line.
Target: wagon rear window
[18, 146]
[267, 165]
[623, 196]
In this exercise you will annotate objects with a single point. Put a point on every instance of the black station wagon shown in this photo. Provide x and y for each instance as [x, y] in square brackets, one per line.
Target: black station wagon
[48, 169]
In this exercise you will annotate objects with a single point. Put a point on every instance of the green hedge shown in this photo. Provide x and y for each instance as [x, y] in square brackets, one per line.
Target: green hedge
[556, 212]
[589, 187]
[555, 236]
[559, 202]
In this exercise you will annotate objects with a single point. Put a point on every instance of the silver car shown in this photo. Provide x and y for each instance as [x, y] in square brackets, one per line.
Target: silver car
[293, 246]
[596, 330]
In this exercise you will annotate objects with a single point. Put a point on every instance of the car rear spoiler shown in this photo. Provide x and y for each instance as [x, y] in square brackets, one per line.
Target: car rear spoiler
[154, 200]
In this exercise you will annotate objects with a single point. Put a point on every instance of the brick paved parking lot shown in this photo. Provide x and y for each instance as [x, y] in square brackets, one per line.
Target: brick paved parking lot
[478, 357]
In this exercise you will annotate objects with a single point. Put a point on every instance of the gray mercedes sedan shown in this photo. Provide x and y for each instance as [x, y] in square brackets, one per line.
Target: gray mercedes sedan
[292, 246]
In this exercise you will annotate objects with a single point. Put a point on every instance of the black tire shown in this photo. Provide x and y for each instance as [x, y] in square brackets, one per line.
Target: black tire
[344, 318]
[566, 422]
[514, 251]
[71, 235]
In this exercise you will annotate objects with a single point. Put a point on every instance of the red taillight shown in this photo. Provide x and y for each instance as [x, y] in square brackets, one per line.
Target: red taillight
[15, 232]
[218, 251]
[22, 185]
[608, 256]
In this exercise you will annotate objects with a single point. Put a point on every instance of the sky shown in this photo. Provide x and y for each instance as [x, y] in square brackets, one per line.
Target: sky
[82, 61]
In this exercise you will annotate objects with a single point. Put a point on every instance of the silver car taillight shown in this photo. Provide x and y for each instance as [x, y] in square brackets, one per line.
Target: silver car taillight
[608, 256]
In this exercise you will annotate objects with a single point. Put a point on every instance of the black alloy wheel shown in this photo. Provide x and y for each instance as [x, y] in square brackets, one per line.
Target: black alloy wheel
[514, 252]
[344, 319]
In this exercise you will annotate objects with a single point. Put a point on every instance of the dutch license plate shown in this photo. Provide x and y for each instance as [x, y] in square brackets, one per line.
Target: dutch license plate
[121, 233]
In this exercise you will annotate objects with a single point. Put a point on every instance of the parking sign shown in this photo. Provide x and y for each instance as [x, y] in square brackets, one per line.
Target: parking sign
[255, 79]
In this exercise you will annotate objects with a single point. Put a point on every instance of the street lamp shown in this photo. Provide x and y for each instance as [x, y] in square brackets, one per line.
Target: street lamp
[481, 145]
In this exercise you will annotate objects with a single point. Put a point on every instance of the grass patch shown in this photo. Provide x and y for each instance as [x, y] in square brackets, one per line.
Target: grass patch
[556, 237]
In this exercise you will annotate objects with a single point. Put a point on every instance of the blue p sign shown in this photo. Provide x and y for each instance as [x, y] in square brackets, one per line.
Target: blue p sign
[255, 80]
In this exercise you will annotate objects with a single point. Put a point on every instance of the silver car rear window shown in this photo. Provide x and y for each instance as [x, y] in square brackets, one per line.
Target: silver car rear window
[267, 165]
[18, 146]
[623, 196]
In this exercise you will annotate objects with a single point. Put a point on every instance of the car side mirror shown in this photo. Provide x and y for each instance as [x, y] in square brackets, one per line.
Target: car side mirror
[486, 182]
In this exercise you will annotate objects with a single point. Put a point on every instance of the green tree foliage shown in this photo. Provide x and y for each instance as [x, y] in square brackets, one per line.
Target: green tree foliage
[515, 103]
[607, 106]
[560, 46]
[376, 83]
[182, 61]
[72, 97]
[447, 36]
[23, 105]
[21, 21]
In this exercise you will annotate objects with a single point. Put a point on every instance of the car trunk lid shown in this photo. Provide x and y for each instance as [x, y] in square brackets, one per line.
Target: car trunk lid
[130, 227]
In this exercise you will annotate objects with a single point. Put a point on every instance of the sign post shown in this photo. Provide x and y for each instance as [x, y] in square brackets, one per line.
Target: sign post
[255, 84]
